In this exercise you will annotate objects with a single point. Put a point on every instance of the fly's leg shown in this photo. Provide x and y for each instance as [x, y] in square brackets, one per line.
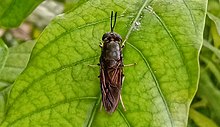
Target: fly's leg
[100, 107]
[94, 65]
[128, 65]
[123, 43]
[97, 65]
[123, 106]
[122, 103]
[101, 44]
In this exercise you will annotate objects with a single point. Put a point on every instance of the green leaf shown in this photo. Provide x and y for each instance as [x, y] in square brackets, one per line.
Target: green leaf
[3, 58]
[15, 64]
[164, 38]
[13, 12]
[73, 4]
[3, 54]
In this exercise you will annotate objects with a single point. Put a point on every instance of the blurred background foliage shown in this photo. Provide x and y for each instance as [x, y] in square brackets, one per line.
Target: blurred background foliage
[205, 108]
[34, 24]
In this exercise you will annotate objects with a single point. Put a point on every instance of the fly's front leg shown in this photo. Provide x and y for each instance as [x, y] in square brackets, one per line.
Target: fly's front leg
[122, 45]
[101, 44]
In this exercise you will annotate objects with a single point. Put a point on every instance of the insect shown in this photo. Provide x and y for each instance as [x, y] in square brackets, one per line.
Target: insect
[111, 68]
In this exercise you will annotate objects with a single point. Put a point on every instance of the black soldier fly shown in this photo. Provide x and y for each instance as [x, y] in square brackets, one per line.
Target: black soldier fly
[111, 68]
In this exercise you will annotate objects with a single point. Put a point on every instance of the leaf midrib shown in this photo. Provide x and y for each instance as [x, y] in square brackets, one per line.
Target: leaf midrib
[155, 80]
[146, 62]
[176, 45]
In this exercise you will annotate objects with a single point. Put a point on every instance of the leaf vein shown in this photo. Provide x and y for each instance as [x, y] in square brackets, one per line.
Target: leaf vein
[155, 80]
[145, 60]
[47, 74]
[6, 81]
[14, 67]
[67, 32]
[191, 15]
[175, 44]
[93, 113]
[134, 22]
[68, 121]
[124, 117]
[52, 106]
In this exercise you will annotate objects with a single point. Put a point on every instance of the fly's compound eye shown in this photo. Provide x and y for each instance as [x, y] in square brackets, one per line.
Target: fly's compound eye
[104, 36]
[118, 37]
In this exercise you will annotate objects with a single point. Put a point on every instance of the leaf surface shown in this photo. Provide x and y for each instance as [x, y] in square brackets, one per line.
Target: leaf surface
[3, 54]
[13, 12]
[3, 58]
[16, 62]
[164, 38]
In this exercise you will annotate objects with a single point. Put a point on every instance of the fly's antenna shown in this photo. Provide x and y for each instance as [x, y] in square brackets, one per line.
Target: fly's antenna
[112, 27]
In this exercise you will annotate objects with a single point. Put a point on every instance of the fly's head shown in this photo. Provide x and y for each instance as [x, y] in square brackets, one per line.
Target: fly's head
[111, 36]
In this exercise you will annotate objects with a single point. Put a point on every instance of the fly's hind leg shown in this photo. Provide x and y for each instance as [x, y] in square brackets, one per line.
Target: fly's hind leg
[123, 106]
[100, 107]
[122, 103]
[128, 65]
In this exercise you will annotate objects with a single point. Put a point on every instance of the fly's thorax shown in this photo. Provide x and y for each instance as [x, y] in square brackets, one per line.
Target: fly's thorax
[111, 52]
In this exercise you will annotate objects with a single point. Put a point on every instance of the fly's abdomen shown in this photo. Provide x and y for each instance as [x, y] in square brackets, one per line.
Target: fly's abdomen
[110, 100]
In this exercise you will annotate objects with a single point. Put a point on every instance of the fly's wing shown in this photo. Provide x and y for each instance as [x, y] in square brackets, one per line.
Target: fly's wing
[111, 83]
